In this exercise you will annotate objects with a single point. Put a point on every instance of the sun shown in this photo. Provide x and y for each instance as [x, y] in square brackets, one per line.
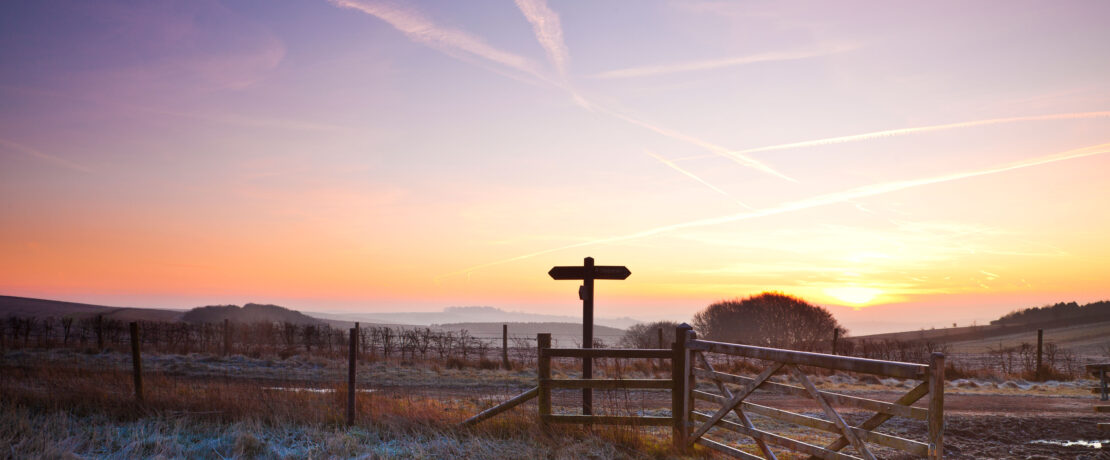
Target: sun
[853, 295]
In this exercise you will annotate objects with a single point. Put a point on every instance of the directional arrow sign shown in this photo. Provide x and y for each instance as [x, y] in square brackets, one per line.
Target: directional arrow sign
[600, 272]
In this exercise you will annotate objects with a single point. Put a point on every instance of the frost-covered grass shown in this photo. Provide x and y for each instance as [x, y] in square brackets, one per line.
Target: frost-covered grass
[70, 404]
[33, 433]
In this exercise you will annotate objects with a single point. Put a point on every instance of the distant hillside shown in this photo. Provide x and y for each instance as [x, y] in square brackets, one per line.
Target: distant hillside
[470, 315]
[1084, 329]
[564, 334]
[249, 313]
[1071, 312]
[42, 308]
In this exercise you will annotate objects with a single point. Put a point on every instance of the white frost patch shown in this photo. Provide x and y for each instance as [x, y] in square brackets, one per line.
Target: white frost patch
[1080, 443]
[312, 390]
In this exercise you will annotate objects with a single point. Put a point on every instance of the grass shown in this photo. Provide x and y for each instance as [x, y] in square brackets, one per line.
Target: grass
[33, 433]
[57, 405]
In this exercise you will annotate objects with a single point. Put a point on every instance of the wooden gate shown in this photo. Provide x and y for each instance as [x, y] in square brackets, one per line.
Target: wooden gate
[691, 425]
[698, 423]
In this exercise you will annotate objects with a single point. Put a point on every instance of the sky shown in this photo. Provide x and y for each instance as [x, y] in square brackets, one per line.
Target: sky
[905, 164]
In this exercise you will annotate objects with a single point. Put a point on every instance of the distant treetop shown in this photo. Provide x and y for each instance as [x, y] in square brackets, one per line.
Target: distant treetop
[249, 313]
[1096, 311]
[770, 319]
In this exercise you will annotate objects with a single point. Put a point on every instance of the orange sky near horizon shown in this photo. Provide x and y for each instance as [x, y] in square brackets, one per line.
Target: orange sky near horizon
[360, 156]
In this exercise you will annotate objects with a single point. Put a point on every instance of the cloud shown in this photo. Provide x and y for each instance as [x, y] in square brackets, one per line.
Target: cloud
[549, 32]
[817, 201]
[451, 41]
[52, 159]
[712, 64]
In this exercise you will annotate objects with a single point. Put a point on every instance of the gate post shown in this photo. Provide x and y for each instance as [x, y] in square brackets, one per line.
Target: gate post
[680, 375]
[543, 372]
[936, 406]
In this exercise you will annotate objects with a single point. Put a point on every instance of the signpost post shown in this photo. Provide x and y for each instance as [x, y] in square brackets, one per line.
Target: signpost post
[588, 272]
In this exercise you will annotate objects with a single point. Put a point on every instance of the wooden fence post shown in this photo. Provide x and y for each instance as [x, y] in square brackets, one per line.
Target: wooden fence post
[505, 346]
[227, 336]
[543, 372]
[353, 345]
[136, 362]
[680, 376]
[836, 337]
[936, 406]
[1040, 349]
[99, 332]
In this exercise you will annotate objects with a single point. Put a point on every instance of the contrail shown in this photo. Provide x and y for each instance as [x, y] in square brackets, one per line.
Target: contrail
[816, 201]
[462, 45]
[711, 64]
[56, 160]
[549, 32]
[919, 130]
[716, 149]
[693, 176]
[420, 29]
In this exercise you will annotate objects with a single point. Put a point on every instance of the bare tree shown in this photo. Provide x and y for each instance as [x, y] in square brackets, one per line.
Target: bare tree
[67, 324]
[646, 335]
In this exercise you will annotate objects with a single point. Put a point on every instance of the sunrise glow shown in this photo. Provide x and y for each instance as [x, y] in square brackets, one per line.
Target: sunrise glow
[852, 295]
[357, 155]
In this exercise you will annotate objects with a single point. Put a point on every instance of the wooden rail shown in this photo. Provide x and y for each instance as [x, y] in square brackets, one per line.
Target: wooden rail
[1101, 371]
[609, 384]
[604, 353]
[835, 362]
[915, 413]
[788, 362]
[511, 403]
[547, 384]
[608, 420]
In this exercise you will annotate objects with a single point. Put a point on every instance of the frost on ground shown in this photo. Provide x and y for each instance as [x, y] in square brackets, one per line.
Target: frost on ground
[33, 434]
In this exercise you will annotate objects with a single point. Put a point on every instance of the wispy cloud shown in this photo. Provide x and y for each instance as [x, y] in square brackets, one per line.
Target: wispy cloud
[716, 149]
[451, 41]
[52, 159]
[919, 130]
[816, 201]
[712, 64]
[670, 164]
[549, 32]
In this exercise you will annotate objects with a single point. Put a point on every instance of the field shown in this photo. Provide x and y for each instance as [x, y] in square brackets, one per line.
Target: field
[71, 402]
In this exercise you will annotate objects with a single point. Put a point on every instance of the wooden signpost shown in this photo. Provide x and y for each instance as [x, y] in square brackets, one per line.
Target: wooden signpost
[588, 272]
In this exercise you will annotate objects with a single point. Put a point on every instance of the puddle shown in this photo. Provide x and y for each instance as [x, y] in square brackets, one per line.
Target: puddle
[1081, 443]
[311, 390]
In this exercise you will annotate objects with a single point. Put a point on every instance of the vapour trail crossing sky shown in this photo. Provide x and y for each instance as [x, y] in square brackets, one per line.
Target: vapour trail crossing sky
[946, 158]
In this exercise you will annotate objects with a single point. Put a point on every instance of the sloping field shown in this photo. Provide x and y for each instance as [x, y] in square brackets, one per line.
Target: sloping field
[1088, 339]
[1085, 338]
[41, 308]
